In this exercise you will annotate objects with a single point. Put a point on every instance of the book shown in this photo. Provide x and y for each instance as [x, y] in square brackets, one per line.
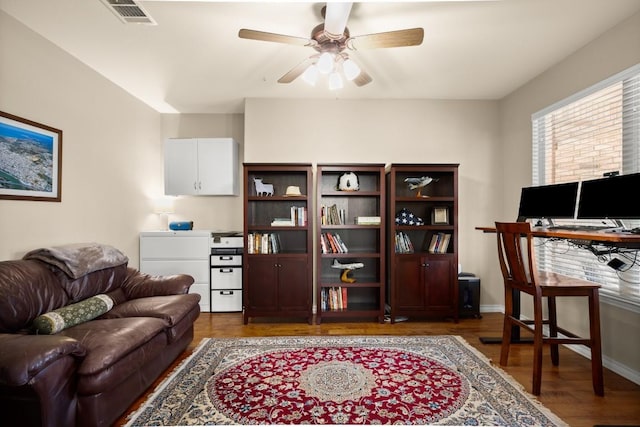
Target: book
[444, 245]
[434, 243]
[367, 220]
[282, 222]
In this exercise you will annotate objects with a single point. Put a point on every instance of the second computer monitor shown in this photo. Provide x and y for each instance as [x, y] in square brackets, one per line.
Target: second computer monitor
[610, 198]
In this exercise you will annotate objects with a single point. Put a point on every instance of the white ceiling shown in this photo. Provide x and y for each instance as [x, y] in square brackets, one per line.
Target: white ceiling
[194, 62]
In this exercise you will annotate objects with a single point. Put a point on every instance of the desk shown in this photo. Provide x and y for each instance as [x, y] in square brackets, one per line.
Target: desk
[620, 239]
[615, 239]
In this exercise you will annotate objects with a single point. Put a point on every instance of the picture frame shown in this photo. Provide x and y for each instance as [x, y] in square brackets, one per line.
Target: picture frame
[30, 160]
[440, 215]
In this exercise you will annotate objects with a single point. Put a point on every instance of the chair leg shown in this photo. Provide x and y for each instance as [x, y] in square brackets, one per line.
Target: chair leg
[537, 345]
[553, 330]
[596, 346]
[506, 326]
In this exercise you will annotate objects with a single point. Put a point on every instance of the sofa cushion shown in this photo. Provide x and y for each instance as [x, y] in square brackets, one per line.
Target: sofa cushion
[179, 311]
[171, 308]
[113, 348]
[27, 289]
[72, 314]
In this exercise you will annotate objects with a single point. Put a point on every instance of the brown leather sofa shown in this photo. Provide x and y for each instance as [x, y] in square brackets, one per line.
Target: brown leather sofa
[90, 373]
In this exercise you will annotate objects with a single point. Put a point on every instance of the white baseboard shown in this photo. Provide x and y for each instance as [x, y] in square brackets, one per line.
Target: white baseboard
[491, 309]
[609, 363]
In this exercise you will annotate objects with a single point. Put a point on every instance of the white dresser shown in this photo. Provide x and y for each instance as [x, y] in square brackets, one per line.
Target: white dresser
[179, 252]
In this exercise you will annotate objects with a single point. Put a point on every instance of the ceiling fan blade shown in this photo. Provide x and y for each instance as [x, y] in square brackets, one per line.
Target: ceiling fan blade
[277, 38]
[362, 79]
[335, 19]
[296, 71]
[399, 38]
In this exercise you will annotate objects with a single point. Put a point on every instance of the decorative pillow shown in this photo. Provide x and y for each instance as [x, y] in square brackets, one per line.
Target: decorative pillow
[73, 314]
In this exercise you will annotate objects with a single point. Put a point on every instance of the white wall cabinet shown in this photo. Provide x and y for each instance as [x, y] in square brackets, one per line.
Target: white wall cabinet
[201, 166]
[164, 253]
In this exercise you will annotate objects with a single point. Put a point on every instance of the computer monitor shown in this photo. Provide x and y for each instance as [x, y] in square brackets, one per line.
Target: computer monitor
[548, 201]
[610, 198]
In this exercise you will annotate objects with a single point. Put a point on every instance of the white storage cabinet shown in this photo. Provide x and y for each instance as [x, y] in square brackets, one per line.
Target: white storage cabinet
[165, 253]
[201, 166]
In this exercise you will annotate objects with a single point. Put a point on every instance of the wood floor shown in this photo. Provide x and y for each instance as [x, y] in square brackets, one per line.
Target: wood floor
[566, 389]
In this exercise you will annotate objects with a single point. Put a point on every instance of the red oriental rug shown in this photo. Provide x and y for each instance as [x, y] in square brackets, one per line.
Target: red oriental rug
[425, 380]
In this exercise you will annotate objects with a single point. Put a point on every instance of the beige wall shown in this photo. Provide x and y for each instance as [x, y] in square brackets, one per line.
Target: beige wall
[392, 131]
[110, 150]
[611, 53]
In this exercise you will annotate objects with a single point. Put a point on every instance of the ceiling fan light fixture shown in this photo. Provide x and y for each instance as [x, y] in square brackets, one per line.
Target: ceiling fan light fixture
[310, 75]
[351, 69]
[325, 63]
[335, 81]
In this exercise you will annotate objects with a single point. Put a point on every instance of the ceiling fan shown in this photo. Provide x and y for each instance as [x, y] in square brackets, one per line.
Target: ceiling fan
[331, 40]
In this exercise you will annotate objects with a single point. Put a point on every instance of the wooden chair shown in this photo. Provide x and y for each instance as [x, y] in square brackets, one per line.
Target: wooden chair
[521, 276]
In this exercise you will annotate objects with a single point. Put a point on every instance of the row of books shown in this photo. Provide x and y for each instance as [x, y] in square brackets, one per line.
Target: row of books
[263, 243]
[439, 243]
[403, 243]
[334, 298]
[331, 243]
[298, 217]
[331, 215]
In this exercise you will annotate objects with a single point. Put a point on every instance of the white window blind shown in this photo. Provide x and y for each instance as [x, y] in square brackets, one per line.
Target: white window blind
[593, 132]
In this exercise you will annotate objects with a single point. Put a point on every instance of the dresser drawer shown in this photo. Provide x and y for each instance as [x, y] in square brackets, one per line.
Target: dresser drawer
[174, 247]
[227, 300]
[226, 260]
[226, 277]
[198, 269]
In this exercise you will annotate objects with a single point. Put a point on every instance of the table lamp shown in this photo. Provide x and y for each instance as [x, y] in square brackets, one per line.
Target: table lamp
[163, 206]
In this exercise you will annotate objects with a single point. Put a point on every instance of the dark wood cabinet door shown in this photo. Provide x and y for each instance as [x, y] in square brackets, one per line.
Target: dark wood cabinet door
[293, 291]
[437, 283]
[263, 279]
[409, 290]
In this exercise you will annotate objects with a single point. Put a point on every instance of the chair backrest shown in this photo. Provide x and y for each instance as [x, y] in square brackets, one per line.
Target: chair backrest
[516, 255]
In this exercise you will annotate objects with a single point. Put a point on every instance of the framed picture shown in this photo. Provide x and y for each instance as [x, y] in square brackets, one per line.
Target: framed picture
[440, 215]
[30, 160]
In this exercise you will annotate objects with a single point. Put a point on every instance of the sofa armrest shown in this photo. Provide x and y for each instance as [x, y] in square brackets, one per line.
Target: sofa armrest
[141, 285]
[24, 356]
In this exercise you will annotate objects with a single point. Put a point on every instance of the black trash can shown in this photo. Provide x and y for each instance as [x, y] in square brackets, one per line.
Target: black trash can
[468, 295]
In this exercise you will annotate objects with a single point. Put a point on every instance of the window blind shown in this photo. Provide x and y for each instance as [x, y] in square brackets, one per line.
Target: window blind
[584, 136]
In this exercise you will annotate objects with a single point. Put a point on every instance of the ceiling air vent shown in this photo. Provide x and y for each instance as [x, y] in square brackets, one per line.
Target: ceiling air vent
[129, 11]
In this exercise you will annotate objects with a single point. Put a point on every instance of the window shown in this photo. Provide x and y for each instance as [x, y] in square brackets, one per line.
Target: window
[585, 136]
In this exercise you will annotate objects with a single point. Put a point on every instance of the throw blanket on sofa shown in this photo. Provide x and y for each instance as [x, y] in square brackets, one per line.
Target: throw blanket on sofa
[79, 259]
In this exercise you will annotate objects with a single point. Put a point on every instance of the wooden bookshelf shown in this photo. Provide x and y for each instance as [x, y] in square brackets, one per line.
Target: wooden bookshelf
[423, 264]
[278, 271]
[357, 219]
